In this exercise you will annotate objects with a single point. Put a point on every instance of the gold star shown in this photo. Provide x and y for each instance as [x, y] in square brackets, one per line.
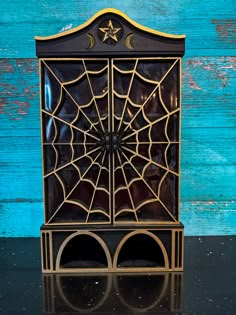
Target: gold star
[110, 31]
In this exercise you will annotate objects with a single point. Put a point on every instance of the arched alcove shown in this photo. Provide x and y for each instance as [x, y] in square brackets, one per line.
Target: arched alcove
[83, 250]
[141, 250]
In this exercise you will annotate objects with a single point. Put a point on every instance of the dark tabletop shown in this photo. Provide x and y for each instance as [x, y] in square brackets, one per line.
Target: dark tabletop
[207, 286]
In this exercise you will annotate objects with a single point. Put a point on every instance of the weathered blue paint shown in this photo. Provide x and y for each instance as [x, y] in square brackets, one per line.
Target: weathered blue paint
[209, 218]
[208, 185]
[21, 218]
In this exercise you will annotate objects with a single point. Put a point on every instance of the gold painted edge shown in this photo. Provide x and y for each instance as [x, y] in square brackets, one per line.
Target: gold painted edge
[100, 13]
[179, 135]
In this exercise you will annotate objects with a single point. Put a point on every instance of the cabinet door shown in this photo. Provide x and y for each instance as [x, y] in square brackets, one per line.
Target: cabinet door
[110, 134]
[75, 122]
[145, 119]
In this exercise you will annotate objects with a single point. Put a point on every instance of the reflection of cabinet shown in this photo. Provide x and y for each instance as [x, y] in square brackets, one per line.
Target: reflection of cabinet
[110, 105]
[159, 293]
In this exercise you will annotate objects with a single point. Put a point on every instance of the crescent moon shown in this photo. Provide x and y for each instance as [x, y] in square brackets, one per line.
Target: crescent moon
[91, 41]
[128, 41]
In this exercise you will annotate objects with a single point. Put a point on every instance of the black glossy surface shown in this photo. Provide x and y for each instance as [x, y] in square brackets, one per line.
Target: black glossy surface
[209, 284]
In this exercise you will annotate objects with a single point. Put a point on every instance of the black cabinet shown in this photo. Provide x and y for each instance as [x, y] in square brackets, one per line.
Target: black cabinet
[110, 109]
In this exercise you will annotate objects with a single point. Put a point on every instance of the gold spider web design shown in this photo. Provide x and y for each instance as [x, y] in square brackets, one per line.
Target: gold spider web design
[75, 119]
[146, 117]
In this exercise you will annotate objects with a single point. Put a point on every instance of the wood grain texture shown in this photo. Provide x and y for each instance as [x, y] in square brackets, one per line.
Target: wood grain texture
[208, 186]
[199, 217]
[209, 218]
[27, 221]
[208, 92]
[209, 25]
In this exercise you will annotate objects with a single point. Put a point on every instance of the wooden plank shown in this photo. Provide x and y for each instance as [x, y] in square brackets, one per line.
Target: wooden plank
[207, 169]
[208, 150]
[208, 93]
[211, 142]
[208, 182]
[209, 217]
[20, 218]
[19, 97]
[23, 179]
[208, 146]
[213, 146]
[197, 217]
[209, 26]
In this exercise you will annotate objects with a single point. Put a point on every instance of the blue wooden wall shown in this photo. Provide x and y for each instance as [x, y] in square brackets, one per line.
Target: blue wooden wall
[208, 182]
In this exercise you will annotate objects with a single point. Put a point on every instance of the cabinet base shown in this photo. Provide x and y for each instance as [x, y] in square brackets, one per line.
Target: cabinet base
[118, 249]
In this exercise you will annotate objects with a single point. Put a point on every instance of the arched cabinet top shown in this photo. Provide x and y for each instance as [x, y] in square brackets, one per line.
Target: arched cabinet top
[110, 33]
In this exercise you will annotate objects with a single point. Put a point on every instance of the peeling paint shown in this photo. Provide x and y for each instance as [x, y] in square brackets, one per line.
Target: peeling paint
[27, 65]
[6, 66]
[15, 109]
[18, 88]
[20, 200]
[192, 84]
[226, 29]
[7, 88]
[219, 69]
